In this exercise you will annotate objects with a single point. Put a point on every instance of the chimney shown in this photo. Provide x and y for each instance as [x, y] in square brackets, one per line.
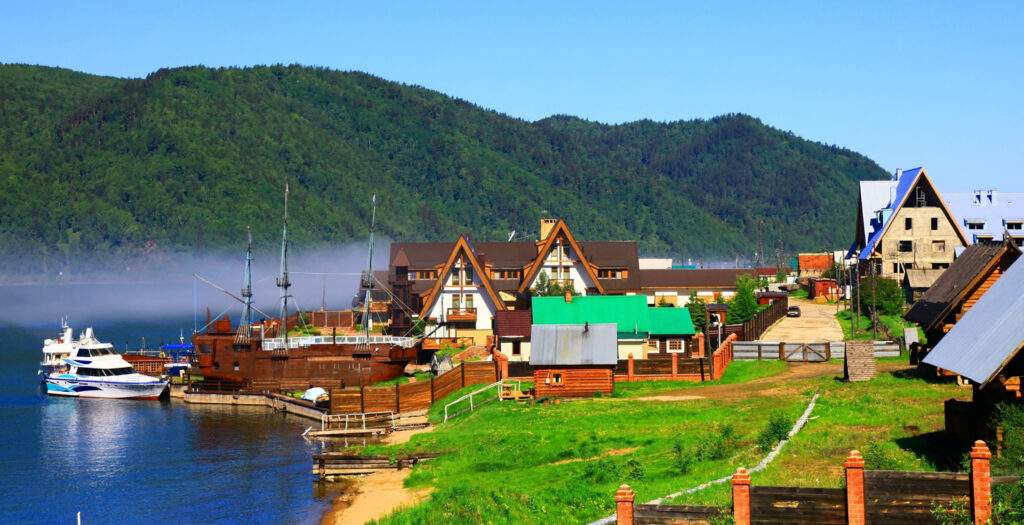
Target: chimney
[568, 296]
[482, 259]
[978, 198]
[993, 196]
[546, 226]
[899, 173]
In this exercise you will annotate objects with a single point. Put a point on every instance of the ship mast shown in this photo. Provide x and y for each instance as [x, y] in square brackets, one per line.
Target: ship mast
[367, 320]
[282, 282]
[245, 329]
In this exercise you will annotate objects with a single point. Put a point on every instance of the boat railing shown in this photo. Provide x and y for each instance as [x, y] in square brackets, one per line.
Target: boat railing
[277, 343]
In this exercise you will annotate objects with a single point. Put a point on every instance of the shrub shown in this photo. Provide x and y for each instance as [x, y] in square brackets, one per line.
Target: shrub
[877, 456]
[777, 430]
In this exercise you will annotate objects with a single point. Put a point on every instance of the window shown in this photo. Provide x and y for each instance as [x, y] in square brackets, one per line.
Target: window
[556, 379]
[938, 246]
[975, 225]
[895, 267]
[236, 366]
[517, 348]
[469, 302]
[675, 345]
[456, 301]
[940, 266]
[616, 273]
[216, 365]
[467, 273]
[983, 239]
[1020, 242]
[506, 274]
[906, 246]
[1014, 225]
[908, 266]
[205, 348]
[935, 223]
[908, 223]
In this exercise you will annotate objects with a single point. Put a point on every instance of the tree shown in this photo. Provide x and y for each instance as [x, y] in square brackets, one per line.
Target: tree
[888, 296]
[545, 287]
[698, 311]
[662, 303]
[743, 305]
[780, 276]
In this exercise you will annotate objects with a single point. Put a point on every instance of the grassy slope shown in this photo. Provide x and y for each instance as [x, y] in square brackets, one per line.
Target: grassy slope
[505, 460]
[894, 322]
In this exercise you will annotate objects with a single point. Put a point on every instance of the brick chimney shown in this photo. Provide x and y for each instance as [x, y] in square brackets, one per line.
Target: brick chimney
[546, 226]
[568, 296]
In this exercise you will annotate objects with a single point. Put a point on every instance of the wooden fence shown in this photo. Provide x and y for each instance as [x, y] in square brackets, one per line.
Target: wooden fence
[870, 496]
[764, 319]
[410, 397]
[764, 350]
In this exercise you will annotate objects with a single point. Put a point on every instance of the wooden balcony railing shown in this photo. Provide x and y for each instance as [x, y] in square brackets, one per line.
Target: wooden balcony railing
[461, 314]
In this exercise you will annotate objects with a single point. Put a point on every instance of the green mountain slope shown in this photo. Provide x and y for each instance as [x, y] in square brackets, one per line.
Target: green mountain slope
[183, 160]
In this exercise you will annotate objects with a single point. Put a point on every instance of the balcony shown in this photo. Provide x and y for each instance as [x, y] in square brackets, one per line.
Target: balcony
[461, 314]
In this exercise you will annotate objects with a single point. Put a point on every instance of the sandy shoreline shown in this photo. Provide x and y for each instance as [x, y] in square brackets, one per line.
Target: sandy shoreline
[376, 495]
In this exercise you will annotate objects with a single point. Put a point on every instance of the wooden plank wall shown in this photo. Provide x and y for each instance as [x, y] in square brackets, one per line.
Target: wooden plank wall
[410, 397]
[520, 369]
[447, 383]
[797, 505]
[907, 497]
[379, 399]
[675, 514]
[414, 396]
[480, 372]
[347, 401]
[576, 382]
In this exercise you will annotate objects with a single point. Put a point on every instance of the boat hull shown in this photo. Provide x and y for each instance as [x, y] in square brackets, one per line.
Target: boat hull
[72, 387]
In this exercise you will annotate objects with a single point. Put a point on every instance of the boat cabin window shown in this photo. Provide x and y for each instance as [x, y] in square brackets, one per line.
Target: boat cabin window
[93, 352]
[104, 372]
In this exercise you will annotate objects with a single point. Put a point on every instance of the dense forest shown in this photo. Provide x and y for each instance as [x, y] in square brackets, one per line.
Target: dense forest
[141, 171]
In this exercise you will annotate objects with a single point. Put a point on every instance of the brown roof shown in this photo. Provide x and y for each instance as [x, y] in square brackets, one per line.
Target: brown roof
[814, 261]
[513, 323]
[922, 277]
[615, 254]
[953, 285]
[702, 278]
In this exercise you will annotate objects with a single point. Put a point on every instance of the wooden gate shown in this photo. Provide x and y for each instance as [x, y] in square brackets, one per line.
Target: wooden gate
[807, 352]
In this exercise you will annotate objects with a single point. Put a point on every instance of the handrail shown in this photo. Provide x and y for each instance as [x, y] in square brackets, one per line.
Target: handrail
[326, 419]
[277, 343]
[470, 396]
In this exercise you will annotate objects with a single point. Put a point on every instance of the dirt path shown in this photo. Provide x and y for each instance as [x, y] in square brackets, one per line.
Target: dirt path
[817, 324]
[377, 495]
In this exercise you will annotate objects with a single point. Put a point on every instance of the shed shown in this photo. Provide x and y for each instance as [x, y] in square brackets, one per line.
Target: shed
[512, 328]
[985, 345]
[766, 298]
[821, 287]
[573, 360]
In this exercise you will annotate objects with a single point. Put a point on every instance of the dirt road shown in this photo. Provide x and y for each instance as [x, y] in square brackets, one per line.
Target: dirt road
[816, 324]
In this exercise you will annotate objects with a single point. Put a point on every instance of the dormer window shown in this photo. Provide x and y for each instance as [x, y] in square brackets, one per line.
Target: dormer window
[611, 273]
[975, 224]
[1014, 225]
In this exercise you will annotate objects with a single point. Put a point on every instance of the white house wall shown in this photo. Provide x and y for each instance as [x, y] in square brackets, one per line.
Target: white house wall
[577, 272]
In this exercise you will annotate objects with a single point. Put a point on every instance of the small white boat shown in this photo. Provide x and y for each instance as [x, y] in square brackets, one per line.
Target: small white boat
[96, 371]
[55, 350]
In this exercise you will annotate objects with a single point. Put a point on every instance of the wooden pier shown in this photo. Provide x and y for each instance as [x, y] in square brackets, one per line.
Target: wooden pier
[347, 464]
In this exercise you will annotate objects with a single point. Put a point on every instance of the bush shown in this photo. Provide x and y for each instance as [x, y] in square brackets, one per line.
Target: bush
[877, 456]
[777, 430]
[889, 297]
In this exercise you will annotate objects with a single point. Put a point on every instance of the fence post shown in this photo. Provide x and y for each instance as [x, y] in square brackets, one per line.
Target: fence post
[741, 497]
[629, 370]
[624, 505]
[981, 483]
[675, 366]
[398, 397]
[462, 366]
[700, 344]
[431, 389]
[855, 511]
[782, 351]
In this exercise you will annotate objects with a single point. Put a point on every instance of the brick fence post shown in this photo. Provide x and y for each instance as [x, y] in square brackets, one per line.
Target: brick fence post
[629, 368]
[981, 483]
[741, 497]
[700, 345]
[624, 505]
[675, 366]
[855, 511]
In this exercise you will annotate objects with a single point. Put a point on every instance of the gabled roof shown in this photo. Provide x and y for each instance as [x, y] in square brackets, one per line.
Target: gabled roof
[463, 247]
[575, 344]
[989, 334]
[670, 321]
[908, 180]
[814, 261]
[545, 247]
[951, 288]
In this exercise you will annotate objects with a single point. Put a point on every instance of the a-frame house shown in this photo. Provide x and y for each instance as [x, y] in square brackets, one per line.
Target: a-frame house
[560, 257]
[462, 300]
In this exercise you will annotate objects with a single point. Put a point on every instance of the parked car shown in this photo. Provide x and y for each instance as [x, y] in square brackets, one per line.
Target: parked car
[793, 311]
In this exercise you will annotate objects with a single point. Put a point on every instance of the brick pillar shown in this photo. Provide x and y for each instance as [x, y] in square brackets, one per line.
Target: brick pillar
[624, 505]
[700, 345]
[741, 497]
[675, 366]
[629, 369]
[855, 511]
[981, 483]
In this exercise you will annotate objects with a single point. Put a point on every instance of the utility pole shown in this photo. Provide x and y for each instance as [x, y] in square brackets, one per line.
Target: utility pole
[874, 307]
[760, 246]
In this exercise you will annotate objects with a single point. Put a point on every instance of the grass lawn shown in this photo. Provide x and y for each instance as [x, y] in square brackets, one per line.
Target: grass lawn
[894, 322]
[509, 462]
[420, 376]
[737, 372]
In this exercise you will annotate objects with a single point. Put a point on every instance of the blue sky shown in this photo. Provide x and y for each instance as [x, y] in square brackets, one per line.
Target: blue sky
[937, 84]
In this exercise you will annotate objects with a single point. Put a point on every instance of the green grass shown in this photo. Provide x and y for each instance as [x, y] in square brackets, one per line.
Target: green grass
[895, 323]
[737, 372]
[420, 376]
[798, 293]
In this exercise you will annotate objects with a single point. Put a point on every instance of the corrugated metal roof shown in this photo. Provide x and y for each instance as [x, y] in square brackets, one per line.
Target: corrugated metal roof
[989, 334]
[574, 344]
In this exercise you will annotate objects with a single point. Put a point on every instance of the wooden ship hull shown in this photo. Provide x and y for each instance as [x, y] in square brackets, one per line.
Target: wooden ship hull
[324, 361]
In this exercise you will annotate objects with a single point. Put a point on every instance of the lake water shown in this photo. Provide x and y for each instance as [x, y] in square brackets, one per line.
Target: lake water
[123, 462]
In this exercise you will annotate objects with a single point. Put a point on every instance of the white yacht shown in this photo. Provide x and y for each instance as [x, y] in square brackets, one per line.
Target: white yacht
[94, 370]
[56, 350]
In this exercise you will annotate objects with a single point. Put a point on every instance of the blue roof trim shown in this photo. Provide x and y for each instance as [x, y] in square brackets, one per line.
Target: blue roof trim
[908, 179]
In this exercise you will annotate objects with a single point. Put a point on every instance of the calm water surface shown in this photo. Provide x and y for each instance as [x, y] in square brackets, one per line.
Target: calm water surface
[121, 461]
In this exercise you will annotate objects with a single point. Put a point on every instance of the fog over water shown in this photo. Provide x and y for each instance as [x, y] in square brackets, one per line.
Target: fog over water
[175, 294]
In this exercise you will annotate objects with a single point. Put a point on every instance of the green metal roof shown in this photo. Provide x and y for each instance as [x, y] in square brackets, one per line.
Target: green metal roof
[629, 312]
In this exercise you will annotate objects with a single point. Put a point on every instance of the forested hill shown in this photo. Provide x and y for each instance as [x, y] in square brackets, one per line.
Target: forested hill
[184, 159]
